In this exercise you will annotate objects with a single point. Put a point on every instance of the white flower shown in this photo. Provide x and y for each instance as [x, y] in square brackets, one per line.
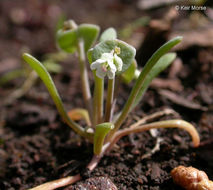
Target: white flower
[108, 64]
[118, 62]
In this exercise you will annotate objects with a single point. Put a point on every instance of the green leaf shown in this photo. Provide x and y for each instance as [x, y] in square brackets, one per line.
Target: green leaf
[142, 78]
[161, 65]
[129, 74]
[51, 66]
[67, 40]
[108, 34]
[139, 85]
[89, 34]
[101, 130]
[127, 52]
[46, 78]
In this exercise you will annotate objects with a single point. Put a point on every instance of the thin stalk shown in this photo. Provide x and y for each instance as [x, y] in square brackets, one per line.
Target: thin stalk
[94, 162]
[109, 100]
[140, 81]
[98, 100]
[67, 180]
[11, 75]
[58, 183]
[117, 86]
[154, 116]
[126, 108]
[156, 125]
[84, 78]
[28, 83]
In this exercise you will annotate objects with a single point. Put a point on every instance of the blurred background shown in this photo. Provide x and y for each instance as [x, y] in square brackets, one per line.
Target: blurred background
[30, 26]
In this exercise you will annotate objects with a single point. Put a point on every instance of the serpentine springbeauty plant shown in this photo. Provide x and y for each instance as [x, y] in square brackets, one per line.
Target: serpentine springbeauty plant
[113, 60]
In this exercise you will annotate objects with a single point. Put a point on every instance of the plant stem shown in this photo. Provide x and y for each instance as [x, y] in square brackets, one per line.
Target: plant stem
[140, 81]
[28, 83]
[67, 180]
[84, 78]
[94, 162]
[98, 100]
[126, 108]
[156, 125]
[58, 183]
[109, 100]
[155, 116]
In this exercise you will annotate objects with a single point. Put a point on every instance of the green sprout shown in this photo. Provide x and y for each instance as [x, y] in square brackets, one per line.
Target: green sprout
[110, 59]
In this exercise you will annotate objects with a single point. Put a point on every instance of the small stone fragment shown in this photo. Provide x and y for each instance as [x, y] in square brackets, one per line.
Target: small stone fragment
[95, 183]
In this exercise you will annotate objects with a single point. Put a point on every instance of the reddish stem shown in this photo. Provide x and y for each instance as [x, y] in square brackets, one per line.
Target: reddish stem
[58, 183]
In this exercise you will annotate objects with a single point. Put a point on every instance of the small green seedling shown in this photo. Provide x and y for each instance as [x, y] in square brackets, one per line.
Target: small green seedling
[110, 59]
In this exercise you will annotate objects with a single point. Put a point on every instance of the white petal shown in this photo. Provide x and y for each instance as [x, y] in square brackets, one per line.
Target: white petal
[100, 73]
[100, 61]
[118, 62]
[110, 74]
[107, 56]
[96, 64]
[112, 65]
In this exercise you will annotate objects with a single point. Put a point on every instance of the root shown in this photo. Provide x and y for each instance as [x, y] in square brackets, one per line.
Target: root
[67, 180]
[156, 125]
[58, 183]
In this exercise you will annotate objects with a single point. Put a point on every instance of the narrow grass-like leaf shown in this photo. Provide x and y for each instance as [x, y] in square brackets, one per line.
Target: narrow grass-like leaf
[161, 65]
[157, 55]
[108, 34]
[46, 78]
[142, 77]
[101, 130]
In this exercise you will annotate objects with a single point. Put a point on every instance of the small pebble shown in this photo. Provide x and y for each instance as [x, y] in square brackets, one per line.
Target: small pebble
[95, 183]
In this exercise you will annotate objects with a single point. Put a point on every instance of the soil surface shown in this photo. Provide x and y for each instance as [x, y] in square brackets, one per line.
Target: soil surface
[36, 146]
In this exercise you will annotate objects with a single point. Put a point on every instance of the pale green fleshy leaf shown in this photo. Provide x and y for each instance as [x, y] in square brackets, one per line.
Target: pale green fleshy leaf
[127, 52]
[129, 74]
[46, 78]
[108, 34]
[101, 130]
[67, 40]
[89, 34]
